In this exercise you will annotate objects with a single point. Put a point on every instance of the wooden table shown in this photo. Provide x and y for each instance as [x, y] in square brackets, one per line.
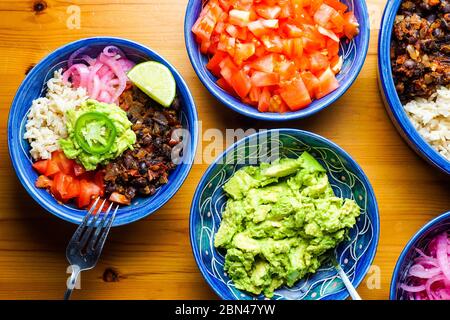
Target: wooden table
[152, 259]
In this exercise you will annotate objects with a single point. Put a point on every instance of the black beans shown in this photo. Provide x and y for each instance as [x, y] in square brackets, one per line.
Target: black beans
[143, 167]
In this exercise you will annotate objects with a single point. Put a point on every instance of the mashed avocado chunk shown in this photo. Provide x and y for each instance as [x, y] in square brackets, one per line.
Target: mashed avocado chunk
[98, 132]
[279, 221]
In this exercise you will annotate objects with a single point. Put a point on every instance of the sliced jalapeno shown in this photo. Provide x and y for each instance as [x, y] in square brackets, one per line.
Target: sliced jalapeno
[95, 132]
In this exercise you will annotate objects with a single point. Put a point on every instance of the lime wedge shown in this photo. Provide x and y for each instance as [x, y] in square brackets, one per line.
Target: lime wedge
[155, 80]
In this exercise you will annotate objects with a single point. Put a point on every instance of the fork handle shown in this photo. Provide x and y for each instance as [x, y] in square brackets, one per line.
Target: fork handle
[72, 281]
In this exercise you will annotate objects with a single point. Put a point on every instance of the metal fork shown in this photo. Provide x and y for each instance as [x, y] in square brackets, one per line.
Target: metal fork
[85, 247]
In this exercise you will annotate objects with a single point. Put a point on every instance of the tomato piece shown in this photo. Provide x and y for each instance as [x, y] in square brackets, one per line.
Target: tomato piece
[311, 82]
[337, 5]
[239, 17]
[264, 63]
[272, 43]
[264, 100]
[88, 191]
[264, 79]
[286, 9]
[318, 62]
[268, 12]
[332, 48]
[351, 27]
[324, 14]
[221, 82]
[286, 70]
[213, 64]
[204, 27]
[275, 103]
[292, 31]
[65, 164]
[336, 64]
[227, 69]
[241, 83]
[270, 24]
[257, 28]
[119, 198]
[41, 166]
[43, 182]
[327, 84]
[338, 22]
[254, 94]
[328, 33]
[295, 95]
[243, 51]
[65, 187]
[52, 168]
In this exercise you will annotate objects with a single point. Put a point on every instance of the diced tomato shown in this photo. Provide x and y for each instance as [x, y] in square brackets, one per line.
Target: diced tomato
[65, 187]
[243, 51]
[276, 55]
[327, 84]
[43, 182]
[264, 100]
[272, 43]
[270, 24]
[257, 28]
[213, 64]
[65, 165]
[241, 83]
[204, 27]
[268, 12]
[286, 70]
[119, 198]
[41, 166]
[323, 15]
[336, 4]
[88, 191]
[221, 82]
[254, 94]
[265, 79]
[52, 168]
[292, 31]
[351, 27]
[239, 17]
[311, 82]
[318, 62]
[78, 169]
[295, 95]
[264, 63]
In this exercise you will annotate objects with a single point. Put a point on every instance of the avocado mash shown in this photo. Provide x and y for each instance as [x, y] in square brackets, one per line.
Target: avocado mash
[98, 132]
[279, 221]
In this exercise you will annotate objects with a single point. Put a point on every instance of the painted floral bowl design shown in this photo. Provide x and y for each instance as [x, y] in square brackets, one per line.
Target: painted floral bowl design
[347, 179]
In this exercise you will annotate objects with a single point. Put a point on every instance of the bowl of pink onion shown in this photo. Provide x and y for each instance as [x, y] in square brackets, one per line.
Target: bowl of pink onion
[423, 268]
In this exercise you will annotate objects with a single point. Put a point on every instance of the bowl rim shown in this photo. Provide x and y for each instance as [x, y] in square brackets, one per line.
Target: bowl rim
[240, 107]
[371, 194]
[410, 244]
[55, 208]
[392, 101]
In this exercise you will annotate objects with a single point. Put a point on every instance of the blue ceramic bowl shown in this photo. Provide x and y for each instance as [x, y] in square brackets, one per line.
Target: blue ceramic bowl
[347, 179]
[420, 240]
[391, 99]
[353, 52]
[34, 86]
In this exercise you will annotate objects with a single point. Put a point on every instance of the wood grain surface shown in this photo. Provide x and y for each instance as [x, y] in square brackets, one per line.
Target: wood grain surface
[152, 259]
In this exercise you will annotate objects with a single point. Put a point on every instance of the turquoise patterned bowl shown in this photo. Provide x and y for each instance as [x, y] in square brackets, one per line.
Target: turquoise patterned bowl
[347, 179]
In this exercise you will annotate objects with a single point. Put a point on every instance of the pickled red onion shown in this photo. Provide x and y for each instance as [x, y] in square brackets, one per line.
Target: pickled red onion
[104, 77]
[429, 277]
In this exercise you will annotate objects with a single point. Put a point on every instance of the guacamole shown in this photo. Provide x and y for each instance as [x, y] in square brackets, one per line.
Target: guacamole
[279, 221]
[98, 132]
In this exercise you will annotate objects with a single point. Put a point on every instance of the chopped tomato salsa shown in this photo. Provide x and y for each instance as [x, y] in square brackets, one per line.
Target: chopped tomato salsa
[277, 55]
